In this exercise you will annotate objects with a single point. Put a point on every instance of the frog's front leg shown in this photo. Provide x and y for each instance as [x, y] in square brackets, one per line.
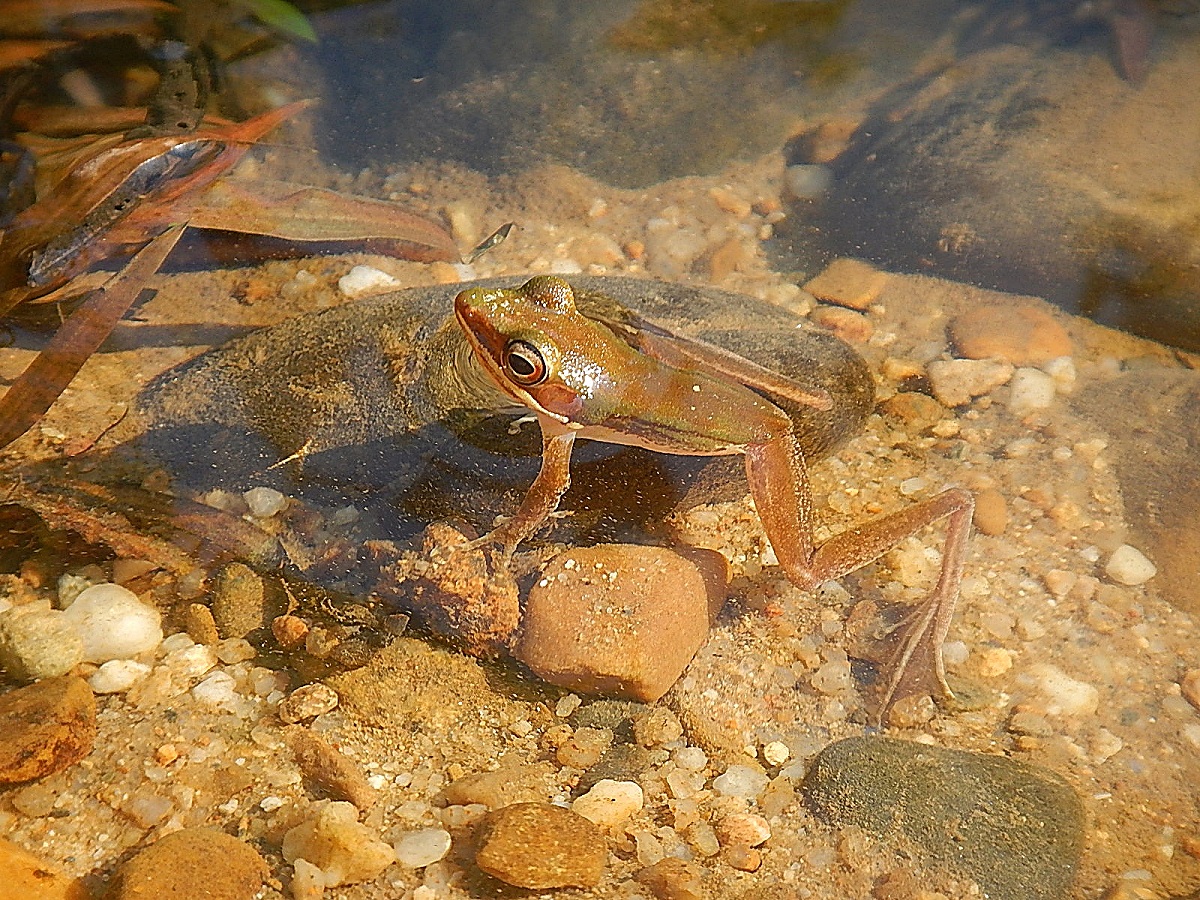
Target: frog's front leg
[779, 484]
[553, 479]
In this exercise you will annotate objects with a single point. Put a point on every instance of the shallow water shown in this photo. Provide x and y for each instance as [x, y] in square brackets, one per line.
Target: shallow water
[622, 148]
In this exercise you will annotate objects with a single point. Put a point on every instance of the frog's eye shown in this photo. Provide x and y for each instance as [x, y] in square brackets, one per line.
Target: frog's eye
[524, 364]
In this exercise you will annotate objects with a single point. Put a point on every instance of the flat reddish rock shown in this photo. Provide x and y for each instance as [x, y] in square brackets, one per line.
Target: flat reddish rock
[180, 863]
[618, 619]
[849, 282]
[45, 727]
[1021, 335]
[540, 846]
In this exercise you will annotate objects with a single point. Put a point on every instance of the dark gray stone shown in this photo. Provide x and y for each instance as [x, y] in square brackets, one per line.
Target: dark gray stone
[1014, 828]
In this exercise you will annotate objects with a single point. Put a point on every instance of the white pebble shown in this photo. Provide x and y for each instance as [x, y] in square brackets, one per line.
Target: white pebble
[113, 623]
[743, 829]
[264, 502]
[609, 803]
[775, 753]
[117, 675]
[364, 280]
[691, 758]
[1029, 391]
[741, 781]
[1062, 370]
[955, 381]
[1128, 565]
[217, 689]
[1064, 695]
[418, 849]
[567, 705]
[191, 662]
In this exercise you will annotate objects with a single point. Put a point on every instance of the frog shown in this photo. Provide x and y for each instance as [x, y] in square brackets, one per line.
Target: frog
[654, 370]
[583, 377]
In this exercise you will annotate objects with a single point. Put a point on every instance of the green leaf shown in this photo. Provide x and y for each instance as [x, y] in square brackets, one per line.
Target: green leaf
[282, 16]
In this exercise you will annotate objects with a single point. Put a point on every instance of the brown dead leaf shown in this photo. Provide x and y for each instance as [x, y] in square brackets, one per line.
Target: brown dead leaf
[300, 214]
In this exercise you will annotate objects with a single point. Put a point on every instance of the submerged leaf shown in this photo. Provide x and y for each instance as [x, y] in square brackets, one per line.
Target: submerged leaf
[305, 214]
[115, 199]
[78, 338]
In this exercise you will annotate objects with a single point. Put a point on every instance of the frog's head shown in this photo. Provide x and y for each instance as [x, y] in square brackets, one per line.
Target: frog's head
[537, 347]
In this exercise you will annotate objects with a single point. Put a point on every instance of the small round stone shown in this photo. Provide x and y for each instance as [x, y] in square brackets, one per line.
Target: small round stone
[775, 753]
[113, 623]
[610, 803]
[307, 702]
[1030, 390]
[745, 829]
[418, 849]
[117, 675]
[362, 281]
[1128, 565]
[741, 781]
[173, 866]
[991, 512]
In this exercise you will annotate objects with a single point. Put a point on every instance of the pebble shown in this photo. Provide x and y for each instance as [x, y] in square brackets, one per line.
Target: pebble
[1189, 684]
[198, 622]
[1129, 566]
[362, 281]
[1015, 828]
[808, 181]
[27, 877]
[1021, 335]
[508, 784]
[540, 846]
[113, 623]
[265, 502]
[991, 512]
[851, 326]
[746, 782]
[38, 642]
[418, 849]
[329, 769]
[673, 879]
[176, 865]
[743, 829]
[849, 282]
[1060, 694]
[610, 803]
[775, 753]
[241, 602]
[1030, 390]
[45, 727]
[616, 619]
[333, 840]
[956, 382]
[307, 702]
[117, 676]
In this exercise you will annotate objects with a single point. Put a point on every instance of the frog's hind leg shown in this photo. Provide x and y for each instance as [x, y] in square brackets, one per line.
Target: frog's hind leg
[779, 483]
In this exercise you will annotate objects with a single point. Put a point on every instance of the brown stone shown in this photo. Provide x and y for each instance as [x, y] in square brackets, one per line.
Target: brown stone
[1021, 335]
[199, 623]
[45, 727]
[673, 879]
[850, 326]
[330, 769]
[178, 864]
[991, 512]
[540, 846]
[509, 783]
[848, 282]
[26, 877]
[615, 619]
[914, 410]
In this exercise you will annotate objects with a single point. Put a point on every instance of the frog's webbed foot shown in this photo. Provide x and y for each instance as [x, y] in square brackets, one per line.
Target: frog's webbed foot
[914, 665]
